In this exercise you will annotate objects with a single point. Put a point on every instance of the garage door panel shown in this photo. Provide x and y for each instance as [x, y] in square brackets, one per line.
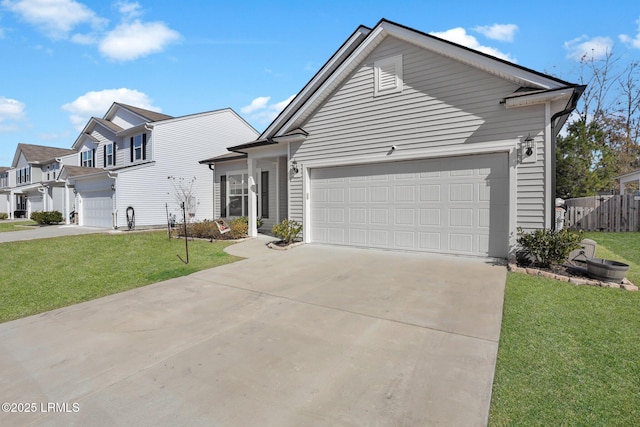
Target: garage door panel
[97, 209]
[429, 241]
[453, 205]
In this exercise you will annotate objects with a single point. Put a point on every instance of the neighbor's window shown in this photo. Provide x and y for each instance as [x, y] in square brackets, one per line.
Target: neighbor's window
[87, 158]
[138, 147]
[109, 159]
[23, 175]
[21, 202]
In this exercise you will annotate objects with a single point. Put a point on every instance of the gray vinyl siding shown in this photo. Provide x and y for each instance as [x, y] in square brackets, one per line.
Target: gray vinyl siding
[443, 103]
[126, 119]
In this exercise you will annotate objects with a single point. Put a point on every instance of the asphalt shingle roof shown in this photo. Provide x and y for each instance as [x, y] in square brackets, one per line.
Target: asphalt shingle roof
[40, 153]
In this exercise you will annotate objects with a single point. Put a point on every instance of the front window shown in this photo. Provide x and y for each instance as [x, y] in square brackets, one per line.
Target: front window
[4, 179]
[87, 159]
[238, 193]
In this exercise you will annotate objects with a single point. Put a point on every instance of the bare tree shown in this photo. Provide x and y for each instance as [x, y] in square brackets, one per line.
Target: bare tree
[184, 193]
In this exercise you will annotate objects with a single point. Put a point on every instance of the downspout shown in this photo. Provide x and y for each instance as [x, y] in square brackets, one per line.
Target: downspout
[573, 102]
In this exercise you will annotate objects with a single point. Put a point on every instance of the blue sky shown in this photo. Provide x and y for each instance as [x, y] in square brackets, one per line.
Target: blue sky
[63, 61]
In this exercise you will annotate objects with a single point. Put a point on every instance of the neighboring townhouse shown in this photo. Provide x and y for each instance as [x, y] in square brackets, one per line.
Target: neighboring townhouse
[406, 141]
[136, 166]
[32, 183]
[4, 185]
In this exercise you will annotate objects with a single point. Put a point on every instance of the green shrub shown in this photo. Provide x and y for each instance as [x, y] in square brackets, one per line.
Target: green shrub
[288, 230]
[239, 228]
[53, 217]
[545, 246]
[4, 215]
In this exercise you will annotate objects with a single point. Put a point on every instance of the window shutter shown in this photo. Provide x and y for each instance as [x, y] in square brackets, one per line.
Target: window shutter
[223, 196]
[93, 157]
[104, 156]
[114, 153]
[144, 146]
[131, 149]
[80, 154]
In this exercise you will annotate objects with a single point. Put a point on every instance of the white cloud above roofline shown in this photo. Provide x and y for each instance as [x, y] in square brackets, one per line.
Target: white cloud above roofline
[96, 104]
[261, 112]
[588, 48]
[500, 32]
[460, 36]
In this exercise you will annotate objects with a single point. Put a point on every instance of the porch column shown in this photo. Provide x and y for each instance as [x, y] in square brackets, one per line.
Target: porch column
[621, 188]
[253, 197]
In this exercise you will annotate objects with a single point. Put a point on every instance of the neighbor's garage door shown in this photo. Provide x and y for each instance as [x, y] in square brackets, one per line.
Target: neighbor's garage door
[455, 205]
[96, 209]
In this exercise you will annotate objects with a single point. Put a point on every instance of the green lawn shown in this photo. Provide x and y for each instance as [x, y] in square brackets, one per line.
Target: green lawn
[15, 226]
[41, 275]
[567, 353]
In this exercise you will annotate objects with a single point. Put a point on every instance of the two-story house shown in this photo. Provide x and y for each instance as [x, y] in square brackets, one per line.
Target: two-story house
[137, 166]
[32, 182]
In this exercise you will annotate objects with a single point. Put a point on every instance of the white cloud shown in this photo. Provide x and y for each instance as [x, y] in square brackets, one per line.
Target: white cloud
[11, 111]
[56, 18]
[257, 104]
[584, 47]
[96, 104]
[133, 40]
[629, 41]
[263, 113]
[501, 32]
[459, 35]
[129, 10]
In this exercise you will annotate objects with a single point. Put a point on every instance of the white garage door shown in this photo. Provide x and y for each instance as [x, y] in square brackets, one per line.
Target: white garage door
[96, 209]
[455, 205]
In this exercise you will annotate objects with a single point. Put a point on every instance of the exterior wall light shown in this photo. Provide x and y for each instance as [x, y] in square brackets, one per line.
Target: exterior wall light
[294, 166]
[528, 145]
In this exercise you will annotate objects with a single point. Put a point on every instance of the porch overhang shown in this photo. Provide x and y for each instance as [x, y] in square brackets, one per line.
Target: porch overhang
[296, 135]
[533, 97]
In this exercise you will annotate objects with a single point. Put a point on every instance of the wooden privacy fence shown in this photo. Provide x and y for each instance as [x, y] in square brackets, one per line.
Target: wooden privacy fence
[603, 213]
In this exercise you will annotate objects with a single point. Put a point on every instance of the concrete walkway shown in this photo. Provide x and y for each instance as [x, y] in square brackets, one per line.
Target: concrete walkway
[48, 231]
[315, 335]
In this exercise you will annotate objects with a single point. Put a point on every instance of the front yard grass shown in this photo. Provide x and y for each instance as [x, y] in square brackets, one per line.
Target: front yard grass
[568, 354]
[15, 225]
[41, 275]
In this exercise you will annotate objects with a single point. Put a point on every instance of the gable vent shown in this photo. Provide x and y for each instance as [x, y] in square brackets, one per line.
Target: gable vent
[388, 75]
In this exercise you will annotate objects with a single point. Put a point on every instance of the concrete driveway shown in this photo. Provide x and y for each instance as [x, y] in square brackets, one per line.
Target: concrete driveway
[314, 336]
